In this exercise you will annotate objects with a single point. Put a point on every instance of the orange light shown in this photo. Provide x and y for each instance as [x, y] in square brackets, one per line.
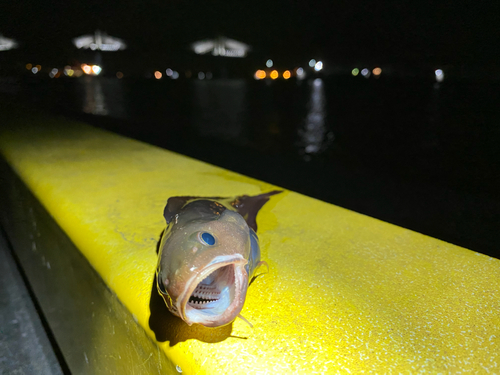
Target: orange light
[158, 74]
[274, 74]
[376, 71]
[286, 74]
[29, 66]
[260, 74]
[39, 67]
[87, 69]
[119, 75]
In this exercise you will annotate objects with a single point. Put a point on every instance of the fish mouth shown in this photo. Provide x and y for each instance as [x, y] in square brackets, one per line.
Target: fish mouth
[215, 296]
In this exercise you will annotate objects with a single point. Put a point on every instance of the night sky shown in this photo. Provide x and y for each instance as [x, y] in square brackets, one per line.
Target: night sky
[445, 32]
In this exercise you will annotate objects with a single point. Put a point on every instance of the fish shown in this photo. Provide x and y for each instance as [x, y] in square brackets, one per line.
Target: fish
[208, 255]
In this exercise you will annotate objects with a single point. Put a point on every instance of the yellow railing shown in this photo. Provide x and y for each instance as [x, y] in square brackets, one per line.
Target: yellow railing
[345, 293]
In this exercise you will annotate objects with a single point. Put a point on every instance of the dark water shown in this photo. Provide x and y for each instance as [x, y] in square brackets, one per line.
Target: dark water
[418, 154]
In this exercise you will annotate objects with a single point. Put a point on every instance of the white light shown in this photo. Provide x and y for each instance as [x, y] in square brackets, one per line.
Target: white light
[96, 69]
[34, 70]
[169, 72]
[365, 73]
[175, 75]
[201, 75]
[300, 72]
[54, 71]
[269, 63]
[312, 62]
[318, 66]
[439, 75]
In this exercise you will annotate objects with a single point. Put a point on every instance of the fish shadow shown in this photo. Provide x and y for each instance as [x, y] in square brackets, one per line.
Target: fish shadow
[168, 327]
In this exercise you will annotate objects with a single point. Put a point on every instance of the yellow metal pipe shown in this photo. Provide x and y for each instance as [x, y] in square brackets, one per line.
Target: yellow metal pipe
[345, 293]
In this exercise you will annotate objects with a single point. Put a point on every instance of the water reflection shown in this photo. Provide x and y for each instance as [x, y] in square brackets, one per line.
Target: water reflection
[102, 96]
[314, 136]
[219, 108]
[94, 100]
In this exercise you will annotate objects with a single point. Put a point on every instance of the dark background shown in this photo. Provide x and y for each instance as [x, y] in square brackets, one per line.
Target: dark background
[402, 148]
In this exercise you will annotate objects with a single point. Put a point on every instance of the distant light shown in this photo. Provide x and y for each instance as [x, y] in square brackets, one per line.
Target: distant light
[29, 66]
[158, 74]
[439, 75]
[274, 74]
[300, 71]
[169, 72]
[175, 74]
[34, 70]
[312, 62]
[87, 69]
[119, 75]
[286, 74]
[39, 67]
[209, 75]
[318, 66]
[53, 72]
[201, 75]
[68, 71]
[269, 63]
[260, 74]
[355, 72]
[78, 73]
[96, 69]
[365, 73]
[377, 71]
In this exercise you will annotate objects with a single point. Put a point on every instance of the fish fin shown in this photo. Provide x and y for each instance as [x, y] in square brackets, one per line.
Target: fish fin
[262, 263]
[175, 205]
[249, 207]
[246, 321]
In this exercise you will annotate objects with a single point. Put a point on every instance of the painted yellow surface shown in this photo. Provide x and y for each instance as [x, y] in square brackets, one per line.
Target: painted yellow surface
[346, 293]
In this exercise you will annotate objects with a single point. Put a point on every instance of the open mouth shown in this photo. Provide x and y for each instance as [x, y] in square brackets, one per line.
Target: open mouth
[216, 289]
[217, 295]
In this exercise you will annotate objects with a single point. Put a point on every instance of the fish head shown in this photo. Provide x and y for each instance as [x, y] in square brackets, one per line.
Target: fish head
[202, 272]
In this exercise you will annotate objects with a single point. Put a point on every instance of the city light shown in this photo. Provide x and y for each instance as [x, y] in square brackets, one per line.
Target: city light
[355, 72]
[29, 66]
[274, 74]
[169, 72]
[158, 74]
[269, 63]
[39, 67]
[260, 74]
[365, 73]
[300, 73]
[87, 69]
[99, 41]
[7, 43]
[201, 75]
[312, 62]
[286, 74]
[221, 46]
[439, 75]
[119, 75]
[96, 69]
[54, 73]
[318, 66]
[175, 74]
[377, 71]
[68, 71]
[34, 70]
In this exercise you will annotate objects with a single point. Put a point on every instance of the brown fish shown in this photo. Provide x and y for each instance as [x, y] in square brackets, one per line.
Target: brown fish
[207, 256]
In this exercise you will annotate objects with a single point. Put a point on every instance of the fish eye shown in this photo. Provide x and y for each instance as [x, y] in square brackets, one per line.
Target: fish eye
[207, 239]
